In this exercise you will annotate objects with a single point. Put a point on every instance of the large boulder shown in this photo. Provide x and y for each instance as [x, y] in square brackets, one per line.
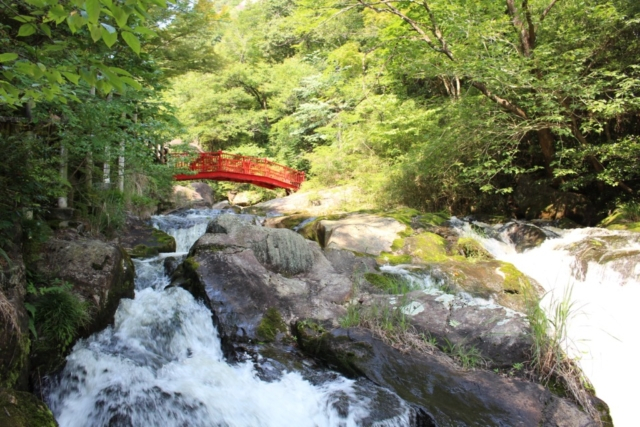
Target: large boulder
[523, 235]
[140, 240]
[256, 278]
[360, 233]
[14, 325]
[205, 192]
[102, 273]
[446, 394]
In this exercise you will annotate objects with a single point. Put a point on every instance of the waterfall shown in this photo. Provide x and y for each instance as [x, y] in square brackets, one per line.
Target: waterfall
[605, 291]
[161, 364]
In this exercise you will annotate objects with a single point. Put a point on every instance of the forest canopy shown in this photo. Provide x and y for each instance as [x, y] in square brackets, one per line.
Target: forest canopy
[440, 105]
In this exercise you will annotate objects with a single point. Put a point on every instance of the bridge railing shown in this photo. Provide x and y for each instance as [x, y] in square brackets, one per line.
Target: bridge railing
[246, 165]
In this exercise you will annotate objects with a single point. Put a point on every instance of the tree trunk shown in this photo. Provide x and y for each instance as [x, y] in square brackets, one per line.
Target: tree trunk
[546, 140]
[62, 200]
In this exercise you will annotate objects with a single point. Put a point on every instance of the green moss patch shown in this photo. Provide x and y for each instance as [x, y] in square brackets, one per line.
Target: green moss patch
[165, 242]
[191, 264]
[471, 249]
[428, 247]
[432, 219]
[270, 325]
[21, 409]
[391, 259]
[514, 280]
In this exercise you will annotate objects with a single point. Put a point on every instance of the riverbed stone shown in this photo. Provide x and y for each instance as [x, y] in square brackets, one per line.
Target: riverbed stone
[448, 394]
[522, 235]
[141, 240]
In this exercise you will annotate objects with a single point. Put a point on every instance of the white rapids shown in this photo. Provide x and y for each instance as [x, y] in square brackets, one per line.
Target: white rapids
[603, 330]
[161, 364]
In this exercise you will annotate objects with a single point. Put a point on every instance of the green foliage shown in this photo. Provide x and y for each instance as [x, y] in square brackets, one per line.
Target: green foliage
[352, 318]
[58, 314]
[108, 213]
[550, 364]
[469, 357]
[42, 34]
[393, 284]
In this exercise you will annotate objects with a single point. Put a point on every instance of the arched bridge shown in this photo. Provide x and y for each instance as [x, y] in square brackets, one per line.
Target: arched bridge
[221, 166]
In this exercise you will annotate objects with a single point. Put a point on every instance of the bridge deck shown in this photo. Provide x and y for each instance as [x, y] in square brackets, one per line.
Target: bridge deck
[221, 166]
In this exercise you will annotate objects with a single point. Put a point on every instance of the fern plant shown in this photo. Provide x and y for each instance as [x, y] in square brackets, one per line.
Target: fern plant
[59, 314]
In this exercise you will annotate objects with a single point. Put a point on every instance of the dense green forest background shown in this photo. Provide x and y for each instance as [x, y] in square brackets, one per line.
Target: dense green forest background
[450, 105]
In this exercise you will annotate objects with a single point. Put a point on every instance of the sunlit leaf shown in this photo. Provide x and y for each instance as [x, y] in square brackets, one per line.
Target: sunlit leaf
[26, 30]
[6, 57]
[96, 32]
[93, 11]
[109, 37]
[132, 41]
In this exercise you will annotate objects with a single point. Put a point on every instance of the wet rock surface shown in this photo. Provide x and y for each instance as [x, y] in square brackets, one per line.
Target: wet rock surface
[141, 240]
[444, 393]
[258, 292]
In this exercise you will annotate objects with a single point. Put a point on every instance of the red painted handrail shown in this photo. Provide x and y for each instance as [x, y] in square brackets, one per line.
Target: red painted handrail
[223, 166]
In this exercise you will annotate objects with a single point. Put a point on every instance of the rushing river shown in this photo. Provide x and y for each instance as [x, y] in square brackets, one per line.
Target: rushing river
[603, 329]
[161, 364]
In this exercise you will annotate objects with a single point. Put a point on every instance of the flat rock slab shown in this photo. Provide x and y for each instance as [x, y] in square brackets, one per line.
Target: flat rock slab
[451, 396]
[311, 202]
[363, 233]
[501, 335]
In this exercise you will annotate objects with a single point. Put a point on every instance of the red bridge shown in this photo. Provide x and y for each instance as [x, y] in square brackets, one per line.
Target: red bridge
[221, 166]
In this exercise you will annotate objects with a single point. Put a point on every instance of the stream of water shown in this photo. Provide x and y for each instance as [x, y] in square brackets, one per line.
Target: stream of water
[603, 328]
[161, 364]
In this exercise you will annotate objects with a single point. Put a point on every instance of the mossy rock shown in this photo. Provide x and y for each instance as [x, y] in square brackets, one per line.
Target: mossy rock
[270, 325]
[20, 409]
[290, 221]
[392, 259]
[471, 249]
[488, 279]
[158, 243]
[621, 220]
[14, 355]
[427, 247]
[402, 215]
[431, 219]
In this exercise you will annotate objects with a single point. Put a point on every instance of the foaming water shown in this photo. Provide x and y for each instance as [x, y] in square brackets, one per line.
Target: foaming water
[190, 225]
[603, 328]
[161, 364]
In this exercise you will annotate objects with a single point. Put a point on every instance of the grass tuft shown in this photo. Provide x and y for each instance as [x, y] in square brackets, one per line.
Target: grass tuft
[550, 364]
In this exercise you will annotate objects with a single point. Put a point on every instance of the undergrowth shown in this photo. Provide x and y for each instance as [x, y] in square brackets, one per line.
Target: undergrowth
[550, 365]
[57, 315]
